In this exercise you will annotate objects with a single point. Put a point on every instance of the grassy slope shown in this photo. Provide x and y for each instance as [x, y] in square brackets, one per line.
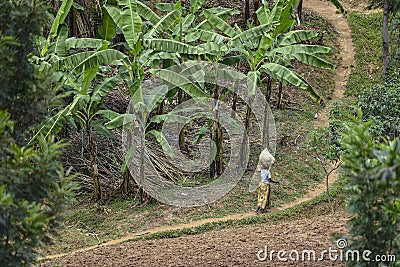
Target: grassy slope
[298, 171]
[367, 38]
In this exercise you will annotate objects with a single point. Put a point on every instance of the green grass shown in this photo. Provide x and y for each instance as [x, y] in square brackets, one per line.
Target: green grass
[367, 39]
[302, 210]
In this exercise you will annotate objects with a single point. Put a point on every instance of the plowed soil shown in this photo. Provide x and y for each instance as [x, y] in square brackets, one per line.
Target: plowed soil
[229, 247]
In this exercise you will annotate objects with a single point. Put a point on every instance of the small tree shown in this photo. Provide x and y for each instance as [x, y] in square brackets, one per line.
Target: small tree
[324, 143]
[372, 171]
[323, 148]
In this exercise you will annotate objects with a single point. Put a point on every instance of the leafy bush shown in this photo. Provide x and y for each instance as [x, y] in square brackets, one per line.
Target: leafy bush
[33, 190]
[33, 185]
[381, 104]
[325, 141]
[372, 171]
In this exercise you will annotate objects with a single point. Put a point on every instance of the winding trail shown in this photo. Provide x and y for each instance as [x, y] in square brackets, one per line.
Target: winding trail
[329, 12]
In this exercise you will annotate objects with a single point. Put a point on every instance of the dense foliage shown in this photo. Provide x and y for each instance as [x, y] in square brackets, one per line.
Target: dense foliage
[33, 185]
[21, 85]
[381, 104]
[373, 183]
[33, 191]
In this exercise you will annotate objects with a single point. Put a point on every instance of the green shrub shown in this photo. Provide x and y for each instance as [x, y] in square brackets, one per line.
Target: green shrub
[33, 185]
[373, 184]
[381, 104]
[33, 191]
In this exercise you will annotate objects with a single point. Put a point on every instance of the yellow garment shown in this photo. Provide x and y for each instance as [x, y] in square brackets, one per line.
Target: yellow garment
[264, 195]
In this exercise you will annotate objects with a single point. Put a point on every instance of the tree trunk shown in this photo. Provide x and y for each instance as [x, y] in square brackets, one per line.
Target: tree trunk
[95, 171]
[219, 161]
[182, 145]
[265, 136]
[217, 166]
[234, 102]
[244, 151]
[327, 192]
[73, 23]
[125, 184]
[142, 193]
[299, 10]
[385, 36]
[248, 117]
[265, 133]
[212, 164]
[269, 90]
[279, 105]
[256, 6]
[246, 12]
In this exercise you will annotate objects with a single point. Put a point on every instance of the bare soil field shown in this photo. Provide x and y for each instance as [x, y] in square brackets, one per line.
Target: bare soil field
[229, 247]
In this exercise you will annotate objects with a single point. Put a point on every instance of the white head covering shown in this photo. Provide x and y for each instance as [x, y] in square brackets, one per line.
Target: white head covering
[266, 159]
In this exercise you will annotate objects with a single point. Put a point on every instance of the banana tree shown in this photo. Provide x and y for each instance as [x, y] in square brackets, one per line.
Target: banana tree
[144, 32]
[282, 45]
[137, 122]
[267, 49]
[175, 38]
[131, 17]
[79, 71]
[87, 99]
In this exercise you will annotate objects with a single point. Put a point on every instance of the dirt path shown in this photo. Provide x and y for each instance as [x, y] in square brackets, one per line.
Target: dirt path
[328, 11]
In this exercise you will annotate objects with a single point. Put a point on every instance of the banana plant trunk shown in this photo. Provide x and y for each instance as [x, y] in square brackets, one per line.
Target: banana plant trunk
[256, 4]
[248, 117]
[269, 90]
[73, 24]
[243, 151]
[217, 166]
[299, 11]
[125, 184]
[142, 193]
[182, 144]
[280, 93]
[234, 103]
[219, 161]
[127, 174]
[265, 133]
[246, 12]
[95, 170]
